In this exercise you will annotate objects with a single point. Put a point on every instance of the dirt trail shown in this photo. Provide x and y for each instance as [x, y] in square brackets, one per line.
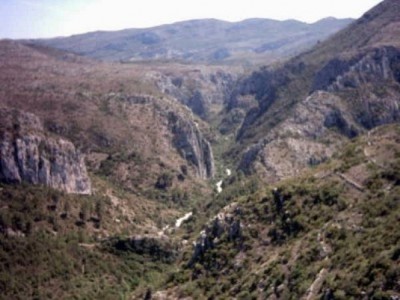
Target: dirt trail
[351, 182]
[315, 287]
[326, 250]
[368, 155]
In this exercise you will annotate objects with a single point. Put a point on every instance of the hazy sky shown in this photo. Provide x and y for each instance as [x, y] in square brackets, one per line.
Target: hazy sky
[49, 18]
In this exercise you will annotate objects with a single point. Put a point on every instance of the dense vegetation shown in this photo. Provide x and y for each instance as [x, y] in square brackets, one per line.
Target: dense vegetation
[315, 226]
[52, 247]
[330, 232]
[308, 209]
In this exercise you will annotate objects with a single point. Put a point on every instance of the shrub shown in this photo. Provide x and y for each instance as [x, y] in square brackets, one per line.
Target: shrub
[164, 181]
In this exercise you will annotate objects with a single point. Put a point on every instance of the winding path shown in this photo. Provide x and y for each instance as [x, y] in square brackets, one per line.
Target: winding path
[351, 182]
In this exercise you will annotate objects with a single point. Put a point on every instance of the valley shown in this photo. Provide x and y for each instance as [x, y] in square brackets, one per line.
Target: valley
[148, 164]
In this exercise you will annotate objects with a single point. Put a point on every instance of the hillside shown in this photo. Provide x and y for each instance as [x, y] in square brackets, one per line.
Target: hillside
[90, 152]
[330, 233]
[104, 109]
[141, 148]
[206, 41]
[296, 114]
[167, 180]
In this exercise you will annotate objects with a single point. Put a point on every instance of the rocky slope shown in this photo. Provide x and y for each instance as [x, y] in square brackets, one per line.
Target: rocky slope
[152, 228]
[209, 41]
[326, 234]
[302, 110]
[28, 155]
[301, 140]
[201, 88]
[149, 160]
[225, 223]
[114, 113]
[192, 145]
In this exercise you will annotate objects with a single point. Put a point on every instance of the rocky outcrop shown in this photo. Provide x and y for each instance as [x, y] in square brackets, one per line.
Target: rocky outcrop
[374, 75]
[227, 222]
[198, 89]
[28, 155]
[303, 139]
[198, 104]
[257, 93]
[351, 93]
[192, 145]
[374, 66]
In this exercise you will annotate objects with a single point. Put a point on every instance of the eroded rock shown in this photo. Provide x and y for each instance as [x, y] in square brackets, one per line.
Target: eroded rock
[227, 222]
[302, 139]
[192, 145]
[27, 154]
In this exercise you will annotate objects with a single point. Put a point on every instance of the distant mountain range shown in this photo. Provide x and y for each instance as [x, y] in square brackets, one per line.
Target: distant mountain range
[205, 41]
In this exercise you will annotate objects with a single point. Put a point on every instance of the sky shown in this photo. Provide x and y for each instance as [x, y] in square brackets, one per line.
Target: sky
[51, 18]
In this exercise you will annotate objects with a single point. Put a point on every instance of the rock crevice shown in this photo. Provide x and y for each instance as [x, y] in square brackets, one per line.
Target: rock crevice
[192, 145]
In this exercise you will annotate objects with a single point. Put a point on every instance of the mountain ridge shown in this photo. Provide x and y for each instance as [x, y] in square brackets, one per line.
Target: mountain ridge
[202, 40]
[355, 68]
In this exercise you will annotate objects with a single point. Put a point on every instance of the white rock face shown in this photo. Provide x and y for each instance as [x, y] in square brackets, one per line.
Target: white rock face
[192, 145]
[228, 172]
[28, 155]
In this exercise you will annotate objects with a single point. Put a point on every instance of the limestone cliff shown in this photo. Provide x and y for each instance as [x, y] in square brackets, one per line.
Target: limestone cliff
[199, 89]
[28, 155]
[192, 145]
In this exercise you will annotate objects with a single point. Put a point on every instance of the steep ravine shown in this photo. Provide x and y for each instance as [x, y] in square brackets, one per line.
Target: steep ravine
[199, 88]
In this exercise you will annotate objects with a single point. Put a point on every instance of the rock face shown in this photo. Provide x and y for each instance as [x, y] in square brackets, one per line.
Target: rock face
[192, 145]
[198, 88]
[303, 109]
[374, 74]
[374, 65]
[226, 222]
[28, 155]
[303, 139]
[349, 94]
[256, 94]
